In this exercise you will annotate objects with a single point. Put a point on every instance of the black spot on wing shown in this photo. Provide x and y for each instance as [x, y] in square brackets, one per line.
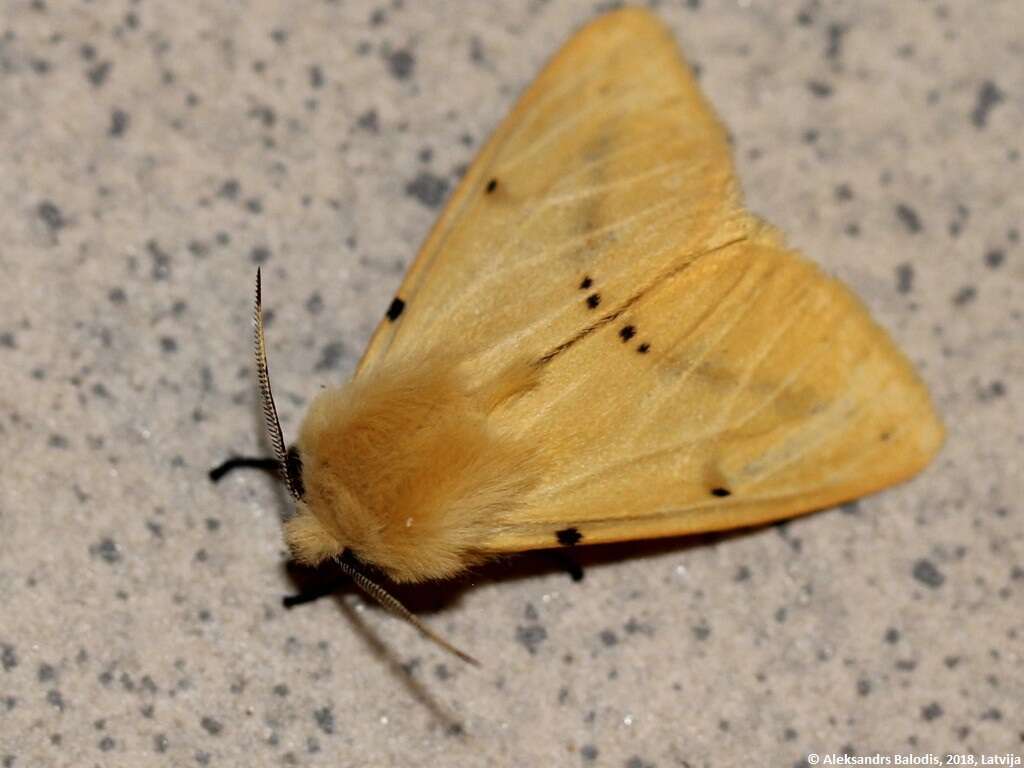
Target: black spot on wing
[627, 332]
[492, 185]
[567, 537]
[644, 348]
[396, 309]
[586, 283]
[721, 492]
[593, 300]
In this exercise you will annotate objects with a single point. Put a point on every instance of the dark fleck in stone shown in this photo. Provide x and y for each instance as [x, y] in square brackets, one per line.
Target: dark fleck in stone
[260, 254]
[932, 711]
[965, 295]
[989, 95]
[230, 189]
[314, 304]
[530, 637]
[106, 744]
[161, 267]
[609, 638]
[993, 391]
[8, 657]
[819, 89]
[568, 536]
[54, 698]
[98, 74]
[863, 686]
[118, 123]
[701, 631]
[316, 77]
[51, 216]
[168, 344]
[57, 441]
[589, 752]
[395, 310]
[909, 218]
[106, 550]
[926, 573]
[905, 277]
[892, 635]
[850, 508]
[160, 743]
[330, 356]
[324, 719]
[994, 258]
[211, 726]
[428, 188]
[280, 690]
[46, 673]
[254, 205]
[368, 121]
[843, 193]
[834, 47]
[639, 762]
[265, 115]
[401, 63]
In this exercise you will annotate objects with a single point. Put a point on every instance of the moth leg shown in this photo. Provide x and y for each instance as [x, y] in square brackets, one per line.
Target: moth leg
[312, 594]
[566, 559]
[267, 464]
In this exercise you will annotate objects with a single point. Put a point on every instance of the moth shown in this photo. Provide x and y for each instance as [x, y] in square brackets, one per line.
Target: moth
[597, 343]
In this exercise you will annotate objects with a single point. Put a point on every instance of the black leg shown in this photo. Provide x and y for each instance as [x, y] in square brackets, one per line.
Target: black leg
[567, 560]
[313, 583]
[309, 595]
[267, 464]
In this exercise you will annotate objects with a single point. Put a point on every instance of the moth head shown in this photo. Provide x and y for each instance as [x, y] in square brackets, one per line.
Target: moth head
[307, 536]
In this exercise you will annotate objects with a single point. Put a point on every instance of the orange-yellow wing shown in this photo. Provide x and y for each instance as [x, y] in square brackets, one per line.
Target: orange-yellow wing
[610, 162]
[745, 388]
[695, 374]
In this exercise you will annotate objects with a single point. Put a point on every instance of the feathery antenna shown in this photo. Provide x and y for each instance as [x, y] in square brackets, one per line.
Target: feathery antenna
[388, 601]
[273, 424]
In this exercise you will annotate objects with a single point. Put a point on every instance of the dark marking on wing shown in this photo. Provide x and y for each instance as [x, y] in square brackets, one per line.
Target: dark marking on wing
[586, 283]
[594, 299]
[568, 537]
[627, 332]
[721, 492]
[396, 309]
[644, 348]
[492, 185]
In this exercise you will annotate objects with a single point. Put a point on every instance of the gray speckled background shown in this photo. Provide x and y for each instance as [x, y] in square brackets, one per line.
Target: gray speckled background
[154, 152]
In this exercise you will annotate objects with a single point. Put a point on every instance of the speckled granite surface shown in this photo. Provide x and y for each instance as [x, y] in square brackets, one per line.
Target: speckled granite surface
[153, 153]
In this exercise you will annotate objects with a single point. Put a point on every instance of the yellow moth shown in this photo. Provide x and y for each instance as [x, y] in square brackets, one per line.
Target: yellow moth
[597, 343]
